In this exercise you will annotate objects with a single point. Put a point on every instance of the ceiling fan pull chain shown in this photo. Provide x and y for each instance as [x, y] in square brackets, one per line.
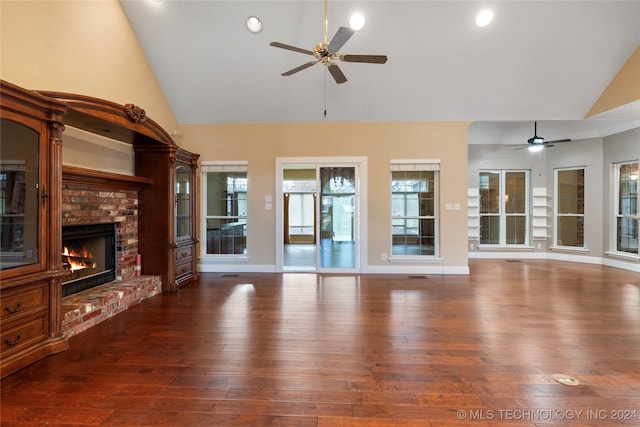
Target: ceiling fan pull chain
[325, 92]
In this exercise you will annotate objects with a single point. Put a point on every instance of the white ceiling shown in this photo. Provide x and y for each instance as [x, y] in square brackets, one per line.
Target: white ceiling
[538, 60]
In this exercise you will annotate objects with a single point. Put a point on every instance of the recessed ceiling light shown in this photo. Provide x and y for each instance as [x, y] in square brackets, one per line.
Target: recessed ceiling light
[484, 18]
[356, 22]
[254, 24]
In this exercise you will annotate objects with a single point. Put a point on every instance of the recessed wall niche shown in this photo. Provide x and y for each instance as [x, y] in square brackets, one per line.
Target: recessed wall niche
[91, 151]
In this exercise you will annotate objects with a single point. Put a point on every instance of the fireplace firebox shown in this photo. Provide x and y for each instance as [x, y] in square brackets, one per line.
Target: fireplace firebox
[88, 254]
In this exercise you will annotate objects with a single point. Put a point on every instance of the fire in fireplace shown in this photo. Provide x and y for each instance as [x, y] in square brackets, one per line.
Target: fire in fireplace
[88, 254]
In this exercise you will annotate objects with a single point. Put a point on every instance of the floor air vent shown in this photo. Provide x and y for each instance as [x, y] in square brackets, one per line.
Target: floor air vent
[417, 277]
[229, 275]
[513, 260]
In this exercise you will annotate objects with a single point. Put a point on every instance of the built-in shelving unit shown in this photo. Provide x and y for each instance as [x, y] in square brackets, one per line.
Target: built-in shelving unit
[541, 213]
[473, 213]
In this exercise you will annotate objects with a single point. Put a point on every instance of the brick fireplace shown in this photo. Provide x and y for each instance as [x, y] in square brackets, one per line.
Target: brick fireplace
[82, 205]
[92, 197]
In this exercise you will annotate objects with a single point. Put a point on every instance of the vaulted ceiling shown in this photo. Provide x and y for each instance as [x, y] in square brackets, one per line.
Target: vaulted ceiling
[538, 60]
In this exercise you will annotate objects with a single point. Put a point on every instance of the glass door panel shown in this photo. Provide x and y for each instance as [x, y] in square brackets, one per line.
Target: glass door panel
[183, 202]
[337, 242]
[19, 195]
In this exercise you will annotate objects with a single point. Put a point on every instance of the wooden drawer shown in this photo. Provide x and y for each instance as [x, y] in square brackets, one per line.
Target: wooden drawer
[184, 267]
[17, 303]
[24, 334]
[182, 253]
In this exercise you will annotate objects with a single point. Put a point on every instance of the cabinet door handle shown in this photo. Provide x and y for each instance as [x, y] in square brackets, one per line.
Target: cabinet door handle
[14, 342]
[10, 310]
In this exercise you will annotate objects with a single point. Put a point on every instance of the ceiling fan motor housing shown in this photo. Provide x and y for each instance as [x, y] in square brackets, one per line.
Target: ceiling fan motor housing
[536, 140]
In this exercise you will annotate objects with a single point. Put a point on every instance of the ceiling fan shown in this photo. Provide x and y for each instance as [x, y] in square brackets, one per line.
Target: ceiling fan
[537, 143]
[327, 52]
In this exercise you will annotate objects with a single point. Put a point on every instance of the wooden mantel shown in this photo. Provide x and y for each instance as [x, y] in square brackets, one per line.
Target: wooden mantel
[76, 175]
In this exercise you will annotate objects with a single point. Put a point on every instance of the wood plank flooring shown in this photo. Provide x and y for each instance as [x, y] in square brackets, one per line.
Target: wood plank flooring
[370, 350]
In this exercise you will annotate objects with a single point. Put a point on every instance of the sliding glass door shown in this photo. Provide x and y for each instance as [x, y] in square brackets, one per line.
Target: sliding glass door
[320, 218]
[337, 245]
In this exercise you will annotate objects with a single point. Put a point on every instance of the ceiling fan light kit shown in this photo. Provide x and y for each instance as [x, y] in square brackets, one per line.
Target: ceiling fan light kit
[327, 53]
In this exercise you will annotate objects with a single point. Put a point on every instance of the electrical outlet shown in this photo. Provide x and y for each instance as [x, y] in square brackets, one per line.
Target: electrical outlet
[383, 256]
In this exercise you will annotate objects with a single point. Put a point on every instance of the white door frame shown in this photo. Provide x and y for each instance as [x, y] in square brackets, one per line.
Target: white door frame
[361, 204]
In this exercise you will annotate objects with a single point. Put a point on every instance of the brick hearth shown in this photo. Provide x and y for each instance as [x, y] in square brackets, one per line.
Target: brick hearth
[88, 308]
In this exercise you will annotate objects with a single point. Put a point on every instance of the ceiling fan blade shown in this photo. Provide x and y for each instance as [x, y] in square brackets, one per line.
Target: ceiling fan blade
[300, 68]
[557, 141]
[337, 74]
[369, 59]
[293, 48]
[342, 35]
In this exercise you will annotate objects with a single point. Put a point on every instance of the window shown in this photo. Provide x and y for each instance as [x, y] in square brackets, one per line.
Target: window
[504, 207]
[225, 189]
[626, 208]
[569, 219]
[300, 201]
[414, 200]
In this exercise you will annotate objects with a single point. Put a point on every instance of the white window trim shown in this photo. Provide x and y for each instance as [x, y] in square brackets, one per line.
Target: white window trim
[219, 166]
[555, 245]
[503, 215]
[408, 165]
[613, 240]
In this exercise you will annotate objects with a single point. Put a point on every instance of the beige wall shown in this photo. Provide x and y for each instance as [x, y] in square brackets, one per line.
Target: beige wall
[84, 47]
[261, 144]
[623, 89]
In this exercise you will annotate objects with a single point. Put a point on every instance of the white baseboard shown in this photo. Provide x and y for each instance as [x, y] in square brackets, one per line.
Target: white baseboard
[235, 268]
[417, 269]
[249, 268]
[243, 267]
[556, 256]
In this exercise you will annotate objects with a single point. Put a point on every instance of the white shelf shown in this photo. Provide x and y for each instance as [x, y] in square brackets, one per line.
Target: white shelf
[541, 212]
[473, 214]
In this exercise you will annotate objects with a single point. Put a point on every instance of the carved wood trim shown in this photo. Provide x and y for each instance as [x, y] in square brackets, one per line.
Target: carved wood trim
[127, 123]
[32, 104]
[135, 113]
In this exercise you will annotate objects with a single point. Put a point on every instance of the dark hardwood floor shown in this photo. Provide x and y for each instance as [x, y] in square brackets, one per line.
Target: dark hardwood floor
[372, 350]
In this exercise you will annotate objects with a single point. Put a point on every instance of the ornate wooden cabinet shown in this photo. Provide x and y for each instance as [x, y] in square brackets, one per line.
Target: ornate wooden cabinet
[186, 165]
[167, 210]
[30, 262]
[31, 270]
[174, 174]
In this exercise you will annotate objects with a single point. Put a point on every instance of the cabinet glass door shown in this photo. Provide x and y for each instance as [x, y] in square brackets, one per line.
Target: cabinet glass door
[19, 195]
[183, 202]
